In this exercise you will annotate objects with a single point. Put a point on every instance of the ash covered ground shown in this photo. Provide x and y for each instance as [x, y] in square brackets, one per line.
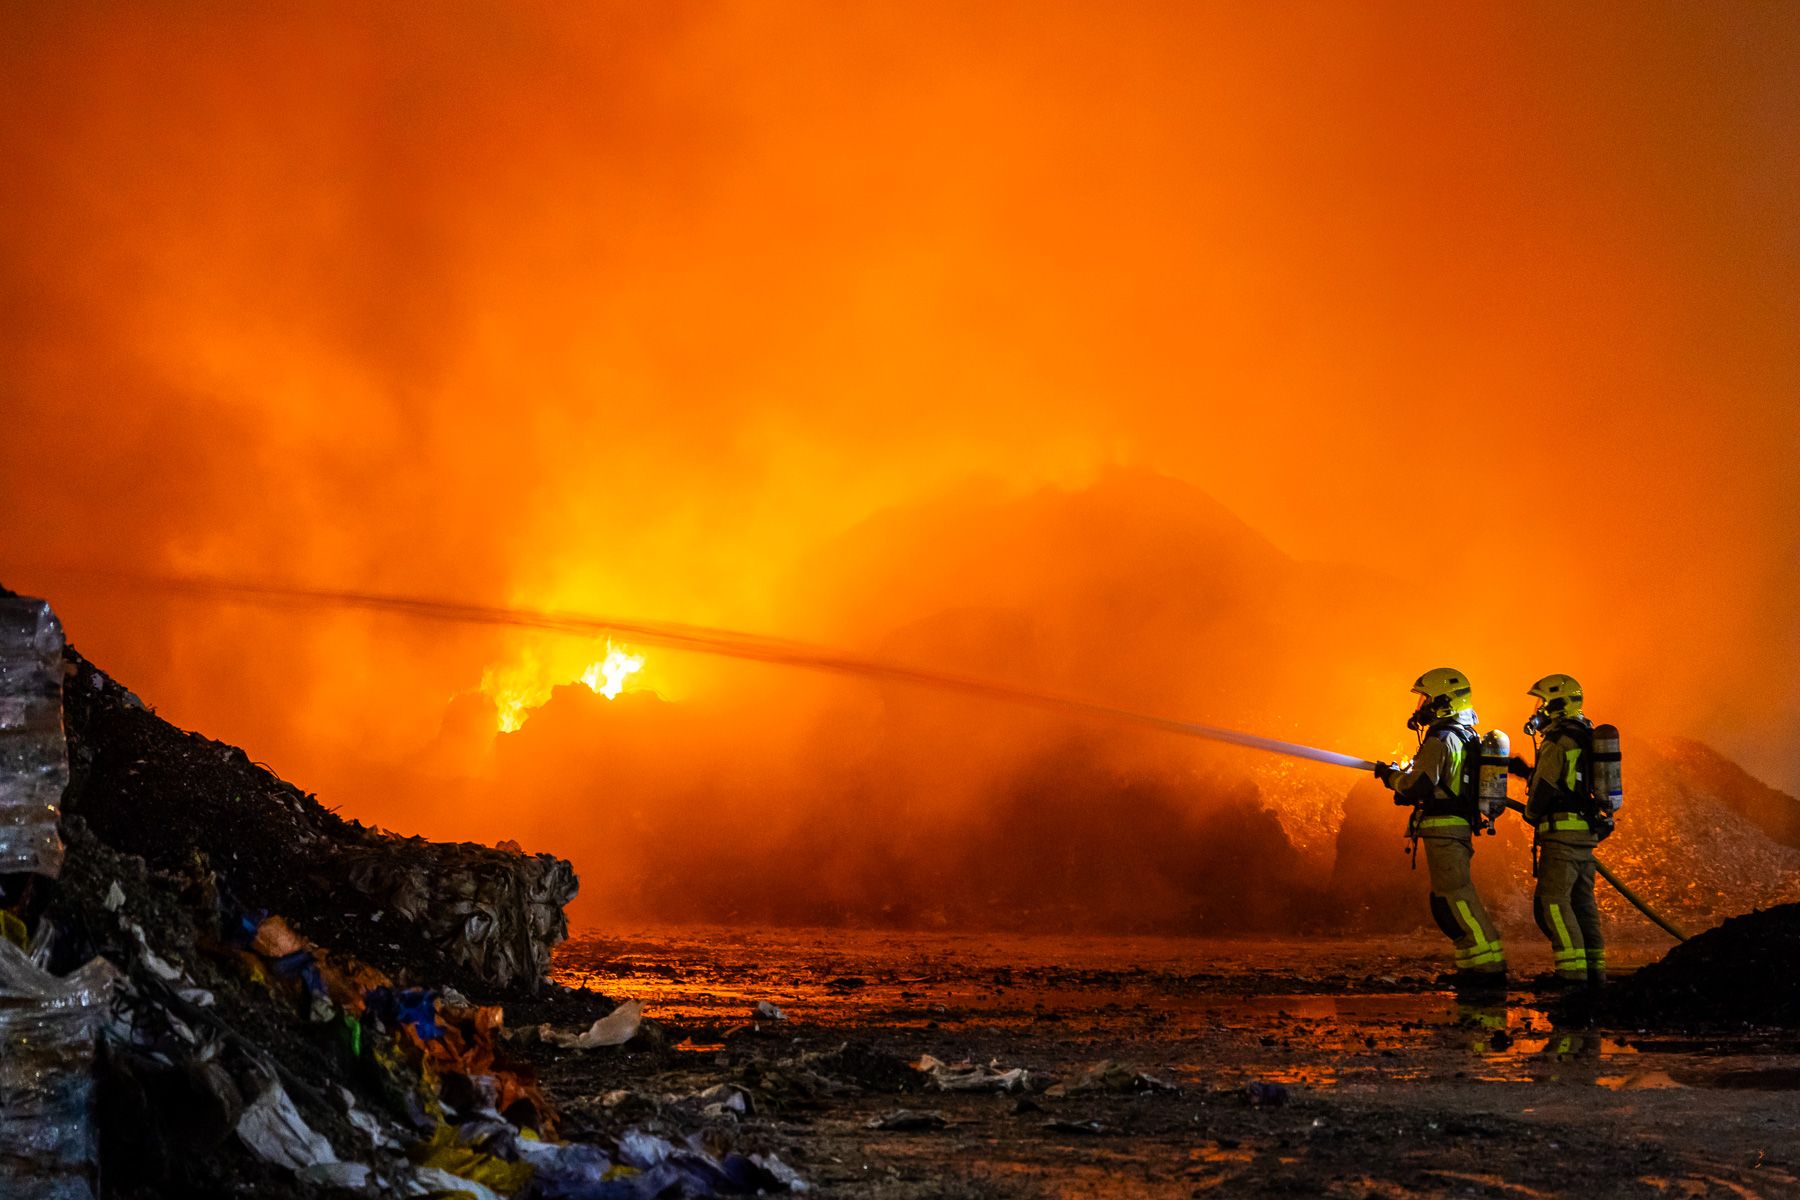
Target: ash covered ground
[1173, 1067]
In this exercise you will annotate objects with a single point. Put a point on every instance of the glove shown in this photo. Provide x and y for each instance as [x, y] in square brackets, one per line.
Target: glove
[1518, 766]
[1385, 771]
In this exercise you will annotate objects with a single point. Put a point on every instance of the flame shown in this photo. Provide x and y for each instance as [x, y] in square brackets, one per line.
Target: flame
[608, 675]
[511, 709]
[518, 687]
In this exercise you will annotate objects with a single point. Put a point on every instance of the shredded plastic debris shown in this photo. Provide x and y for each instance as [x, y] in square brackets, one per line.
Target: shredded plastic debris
[614, 1029]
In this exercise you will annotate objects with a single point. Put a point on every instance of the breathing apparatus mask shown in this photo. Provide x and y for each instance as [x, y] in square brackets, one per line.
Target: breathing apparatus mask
[1558, 696]
[1432, 709]
[1547, 713]
[1424, 713]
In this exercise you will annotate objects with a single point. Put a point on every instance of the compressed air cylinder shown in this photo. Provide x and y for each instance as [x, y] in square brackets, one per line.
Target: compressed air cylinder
[1609, 781]
[34, 757]
[1496, 749]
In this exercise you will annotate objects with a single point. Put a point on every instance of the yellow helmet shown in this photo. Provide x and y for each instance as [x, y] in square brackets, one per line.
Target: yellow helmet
[1443, 692]
[1558, 697]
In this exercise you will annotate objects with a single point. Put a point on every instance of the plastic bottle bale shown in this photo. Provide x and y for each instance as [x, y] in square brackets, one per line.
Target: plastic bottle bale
[47, 1031]
[34, 756]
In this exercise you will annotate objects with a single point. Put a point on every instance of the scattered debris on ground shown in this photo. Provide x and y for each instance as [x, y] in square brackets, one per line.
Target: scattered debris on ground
[1109, 1076]
[974, 1077]
[907, 1120]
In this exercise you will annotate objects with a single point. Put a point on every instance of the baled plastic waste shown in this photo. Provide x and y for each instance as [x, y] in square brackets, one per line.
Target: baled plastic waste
[34, 756]
[48, 1027]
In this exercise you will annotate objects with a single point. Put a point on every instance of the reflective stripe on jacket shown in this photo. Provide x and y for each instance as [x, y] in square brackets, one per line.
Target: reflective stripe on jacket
[1560, 783]
[1433, 780]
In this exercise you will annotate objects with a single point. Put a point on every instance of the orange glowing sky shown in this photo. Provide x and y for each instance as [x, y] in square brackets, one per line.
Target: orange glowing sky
[823, 320]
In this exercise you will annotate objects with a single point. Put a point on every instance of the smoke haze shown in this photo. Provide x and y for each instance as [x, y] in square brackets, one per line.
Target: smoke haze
[1234, 363]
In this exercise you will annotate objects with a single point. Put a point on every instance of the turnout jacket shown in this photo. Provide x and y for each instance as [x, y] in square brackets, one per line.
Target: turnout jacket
[1433, 780]
[1561, 780]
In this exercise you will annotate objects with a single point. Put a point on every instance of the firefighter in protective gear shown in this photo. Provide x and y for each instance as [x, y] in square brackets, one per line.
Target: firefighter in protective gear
[1440, 786]
[1561, 807]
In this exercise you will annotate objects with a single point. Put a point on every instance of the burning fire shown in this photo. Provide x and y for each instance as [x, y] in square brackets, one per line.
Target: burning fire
[608, 675]
[518, 688]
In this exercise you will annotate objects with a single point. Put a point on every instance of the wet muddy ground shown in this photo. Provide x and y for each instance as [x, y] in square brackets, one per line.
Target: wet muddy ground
[1164, 1067]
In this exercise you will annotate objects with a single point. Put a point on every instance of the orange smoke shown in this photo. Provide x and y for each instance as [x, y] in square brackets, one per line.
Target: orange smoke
[1230, 363]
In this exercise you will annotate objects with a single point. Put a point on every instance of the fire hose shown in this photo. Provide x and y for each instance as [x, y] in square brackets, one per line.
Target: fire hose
[758, 648]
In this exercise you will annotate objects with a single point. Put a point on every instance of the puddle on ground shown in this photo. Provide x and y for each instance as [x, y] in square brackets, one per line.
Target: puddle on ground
[1638, 1081]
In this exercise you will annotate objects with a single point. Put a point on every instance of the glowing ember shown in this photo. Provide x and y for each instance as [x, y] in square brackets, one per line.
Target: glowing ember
[608, 676]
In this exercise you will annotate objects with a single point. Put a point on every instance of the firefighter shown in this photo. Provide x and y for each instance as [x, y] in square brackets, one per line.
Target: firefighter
[1562, 807]
[1440, 786]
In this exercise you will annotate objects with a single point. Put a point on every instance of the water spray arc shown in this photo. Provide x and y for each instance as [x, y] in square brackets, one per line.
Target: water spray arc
[758, 648]
[723, 642]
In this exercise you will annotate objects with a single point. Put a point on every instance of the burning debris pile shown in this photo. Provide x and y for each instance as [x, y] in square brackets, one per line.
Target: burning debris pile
[211, 985]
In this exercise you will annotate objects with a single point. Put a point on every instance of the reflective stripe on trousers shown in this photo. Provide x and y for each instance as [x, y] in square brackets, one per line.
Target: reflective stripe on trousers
[1454, 901]
[1564, 904]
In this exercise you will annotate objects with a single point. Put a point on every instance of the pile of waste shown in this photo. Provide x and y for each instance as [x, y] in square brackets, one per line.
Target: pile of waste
[474, 916]
[1745, 972]
[210, 985]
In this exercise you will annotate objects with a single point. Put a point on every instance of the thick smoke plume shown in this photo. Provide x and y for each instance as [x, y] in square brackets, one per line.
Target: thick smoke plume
[1208, 361]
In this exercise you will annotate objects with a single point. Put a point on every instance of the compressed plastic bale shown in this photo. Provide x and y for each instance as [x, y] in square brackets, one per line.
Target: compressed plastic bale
[34, 756]
[492, 913]
[48, 1027]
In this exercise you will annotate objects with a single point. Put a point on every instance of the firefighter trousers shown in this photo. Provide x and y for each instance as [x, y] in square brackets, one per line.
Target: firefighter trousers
[1565, 909]
[1455, 906]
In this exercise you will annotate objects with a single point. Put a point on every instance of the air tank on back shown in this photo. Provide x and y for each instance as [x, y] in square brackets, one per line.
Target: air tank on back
[1609, 782]
[1496, 748]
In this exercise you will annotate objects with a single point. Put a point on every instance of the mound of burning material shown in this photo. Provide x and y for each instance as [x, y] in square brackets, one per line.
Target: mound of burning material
[1746, 972]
